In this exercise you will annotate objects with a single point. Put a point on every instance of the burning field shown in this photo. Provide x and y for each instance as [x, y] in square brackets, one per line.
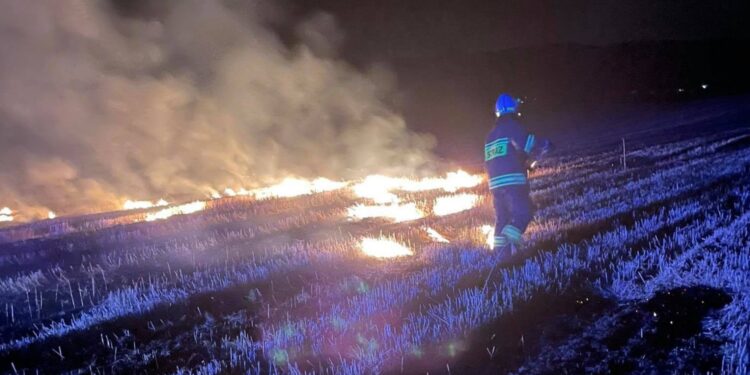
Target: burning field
[204, 187]
[643, 269]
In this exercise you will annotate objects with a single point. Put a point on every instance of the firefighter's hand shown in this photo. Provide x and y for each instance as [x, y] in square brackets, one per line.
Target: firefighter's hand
[531, 164]
[546, 148]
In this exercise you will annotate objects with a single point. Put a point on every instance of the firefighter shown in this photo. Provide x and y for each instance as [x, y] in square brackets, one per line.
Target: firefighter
[509, 148]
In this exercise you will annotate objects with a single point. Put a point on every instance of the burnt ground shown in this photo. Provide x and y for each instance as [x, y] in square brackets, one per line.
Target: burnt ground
[580, 332]
[661, 335]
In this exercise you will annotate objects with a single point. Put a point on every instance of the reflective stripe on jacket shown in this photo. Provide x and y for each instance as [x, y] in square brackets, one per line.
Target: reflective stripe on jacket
[505, 151]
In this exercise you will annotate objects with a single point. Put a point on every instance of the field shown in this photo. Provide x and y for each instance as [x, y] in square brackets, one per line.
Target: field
[642, 269]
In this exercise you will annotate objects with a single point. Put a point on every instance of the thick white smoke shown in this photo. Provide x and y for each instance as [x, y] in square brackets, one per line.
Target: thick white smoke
[95, 107]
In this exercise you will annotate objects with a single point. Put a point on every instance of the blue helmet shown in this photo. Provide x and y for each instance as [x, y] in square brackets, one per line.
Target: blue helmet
[505, 104]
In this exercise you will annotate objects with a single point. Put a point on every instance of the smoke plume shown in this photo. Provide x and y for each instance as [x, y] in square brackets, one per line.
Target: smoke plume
[95, 107]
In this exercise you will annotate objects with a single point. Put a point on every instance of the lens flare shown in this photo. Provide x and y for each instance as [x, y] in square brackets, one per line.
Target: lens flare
[395, 212]
[452, 204]
[182, 209]
[384, 248]
[437, 237]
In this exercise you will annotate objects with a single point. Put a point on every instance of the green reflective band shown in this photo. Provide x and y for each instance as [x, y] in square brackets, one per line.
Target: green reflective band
[514, 234]
[529, 143]
[509, 176]
[507, 179]
[499, 140]
[496, 148]
[500, 241]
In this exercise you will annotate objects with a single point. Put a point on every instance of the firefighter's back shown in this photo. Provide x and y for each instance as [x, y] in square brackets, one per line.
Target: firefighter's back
[502, 156]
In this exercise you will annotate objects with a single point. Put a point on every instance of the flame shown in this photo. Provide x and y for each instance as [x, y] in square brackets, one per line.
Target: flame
[452, 204]
[323, 184]
[294, 187]
[377, 188]
[182, 209]
[396, 212]
[437, 237]
[380, 188]
[384, 248]
[452, 182]
[489, 232]
[6, 215]
[138, 205]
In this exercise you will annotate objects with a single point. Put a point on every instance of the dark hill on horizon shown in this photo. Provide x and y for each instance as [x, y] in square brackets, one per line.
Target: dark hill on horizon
[452, 95]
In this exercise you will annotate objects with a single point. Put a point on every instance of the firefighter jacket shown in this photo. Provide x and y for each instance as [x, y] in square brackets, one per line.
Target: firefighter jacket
[507, 149]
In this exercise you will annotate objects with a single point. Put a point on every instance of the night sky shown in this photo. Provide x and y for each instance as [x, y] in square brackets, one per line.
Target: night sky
[451, 57]
[395, 28]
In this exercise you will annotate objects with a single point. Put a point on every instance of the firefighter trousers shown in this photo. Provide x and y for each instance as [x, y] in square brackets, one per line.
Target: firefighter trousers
[513, 212]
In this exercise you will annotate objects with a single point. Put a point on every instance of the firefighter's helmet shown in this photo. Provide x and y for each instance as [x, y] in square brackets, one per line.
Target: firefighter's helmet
[505, 104]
